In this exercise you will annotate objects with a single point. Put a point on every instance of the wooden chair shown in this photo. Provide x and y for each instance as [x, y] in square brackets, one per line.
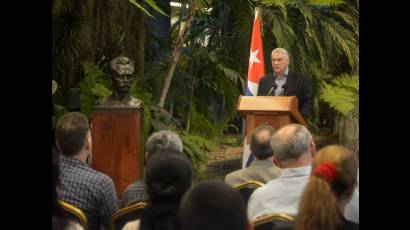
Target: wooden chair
[74, 213]
[274, 221]
[124, 215]
[246, 189]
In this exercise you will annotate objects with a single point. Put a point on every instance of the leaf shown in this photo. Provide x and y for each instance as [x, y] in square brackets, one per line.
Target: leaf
[230, 73]
[100, 90]
[59, 110]
[141, 8]
[325, 2]
[340, 99]
[345, 81]
[155, 7]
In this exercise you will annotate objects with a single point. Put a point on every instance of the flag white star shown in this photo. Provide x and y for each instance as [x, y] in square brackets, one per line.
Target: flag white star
[253, 57]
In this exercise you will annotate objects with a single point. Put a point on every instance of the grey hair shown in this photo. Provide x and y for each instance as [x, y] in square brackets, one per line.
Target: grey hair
[163, 141]
[282, 50]
[293, 144]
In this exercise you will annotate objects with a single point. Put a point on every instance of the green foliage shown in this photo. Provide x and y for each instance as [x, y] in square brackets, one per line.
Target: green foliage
[150, 3]
[342, 95]
[323, 30]
[93, 87]
[203, 126]
[195, 148]
[234, 141]
[67, 44]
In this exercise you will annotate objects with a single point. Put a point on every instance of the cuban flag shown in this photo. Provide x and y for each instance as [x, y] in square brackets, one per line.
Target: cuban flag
[256, 70]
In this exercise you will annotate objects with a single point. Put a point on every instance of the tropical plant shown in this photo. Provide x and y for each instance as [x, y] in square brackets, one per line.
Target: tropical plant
[93, 88]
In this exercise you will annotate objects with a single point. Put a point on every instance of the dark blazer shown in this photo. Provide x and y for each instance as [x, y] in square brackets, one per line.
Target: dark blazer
[296, 85]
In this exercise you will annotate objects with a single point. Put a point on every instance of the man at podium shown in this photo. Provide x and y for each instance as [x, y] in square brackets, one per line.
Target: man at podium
[284, 82]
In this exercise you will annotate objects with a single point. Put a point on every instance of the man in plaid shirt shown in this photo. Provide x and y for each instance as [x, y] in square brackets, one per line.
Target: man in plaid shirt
[91, 191]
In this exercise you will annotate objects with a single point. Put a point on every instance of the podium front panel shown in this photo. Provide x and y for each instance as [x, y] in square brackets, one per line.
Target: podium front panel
[253, 121]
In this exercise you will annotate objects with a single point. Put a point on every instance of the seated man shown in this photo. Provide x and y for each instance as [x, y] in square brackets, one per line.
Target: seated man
[262, 168]
[159, 142]
[294, 151]
[89, 190]
[213, 205]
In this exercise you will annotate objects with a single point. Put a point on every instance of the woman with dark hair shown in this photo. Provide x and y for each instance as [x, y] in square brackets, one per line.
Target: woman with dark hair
[329, 189]
[168, 176]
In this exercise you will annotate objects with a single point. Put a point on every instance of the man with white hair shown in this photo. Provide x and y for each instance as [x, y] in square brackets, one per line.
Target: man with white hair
[294, 150]
[284, 82]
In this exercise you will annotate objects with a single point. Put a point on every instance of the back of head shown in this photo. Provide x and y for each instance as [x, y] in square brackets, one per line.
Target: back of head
[213, 205]
[260, 145]
[71, 132]
[291, 142]
[333, 180]
[168, 177]
[163, 141]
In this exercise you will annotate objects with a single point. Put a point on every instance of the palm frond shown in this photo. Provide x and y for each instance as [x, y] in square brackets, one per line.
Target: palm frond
[343, 39]
[325, 2]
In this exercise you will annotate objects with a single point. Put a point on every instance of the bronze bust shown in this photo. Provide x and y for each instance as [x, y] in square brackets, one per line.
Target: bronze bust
[121, 72]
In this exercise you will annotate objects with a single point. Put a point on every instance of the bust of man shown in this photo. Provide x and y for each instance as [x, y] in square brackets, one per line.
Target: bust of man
[121, 72]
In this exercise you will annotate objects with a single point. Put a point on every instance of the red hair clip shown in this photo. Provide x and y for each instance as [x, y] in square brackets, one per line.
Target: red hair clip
[326, 171]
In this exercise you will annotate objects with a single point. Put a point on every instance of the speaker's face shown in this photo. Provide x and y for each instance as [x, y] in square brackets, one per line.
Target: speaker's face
[279, 63]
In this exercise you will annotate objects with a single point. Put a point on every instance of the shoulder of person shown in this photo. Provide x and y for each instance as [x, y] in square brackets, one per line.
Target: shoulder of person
[232, 176]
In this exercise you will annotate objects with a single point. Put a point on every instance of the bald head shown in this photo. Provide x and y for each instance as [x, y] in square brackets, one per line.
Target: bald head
[260, 145]
[291, 142]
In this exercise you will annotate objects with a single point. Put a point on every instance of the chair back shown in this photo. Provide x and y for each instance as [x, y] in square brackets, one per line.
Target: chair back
[121, 217]
[278, 221]
[74, 213]
[246, 189]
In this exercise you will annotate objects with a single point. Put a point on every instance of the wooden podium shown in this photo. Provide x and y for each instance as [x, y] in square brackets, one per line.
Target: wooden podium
[276, 111]
[118, 145]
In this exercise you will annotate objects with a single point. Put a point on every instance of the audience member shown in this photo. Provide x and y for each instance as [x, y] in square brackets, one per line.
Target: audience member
[168, 177]
[262, 168]
[329, 189]
[81, 186]
[159, 142]
[213, 205]
[294, 151]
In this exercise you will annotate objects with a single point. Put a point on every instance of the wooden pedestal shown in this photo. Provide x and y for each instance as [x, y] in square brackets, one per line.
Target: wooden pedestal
[118, 145]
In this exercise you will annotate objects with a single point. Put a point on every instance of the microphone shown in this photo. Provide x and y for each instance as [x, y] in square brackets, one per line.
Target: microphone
[283, 93]
[274, 86]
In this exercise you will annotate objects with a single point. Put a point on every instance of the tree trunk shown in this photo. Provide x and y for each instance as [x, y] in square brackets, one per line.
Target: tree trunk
[347, 131]
[177, 51]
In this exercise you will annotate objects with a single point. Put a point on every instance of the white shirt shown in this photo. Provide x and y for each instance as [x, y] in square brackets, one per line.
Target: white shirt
[280, 195]
[352, 208]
